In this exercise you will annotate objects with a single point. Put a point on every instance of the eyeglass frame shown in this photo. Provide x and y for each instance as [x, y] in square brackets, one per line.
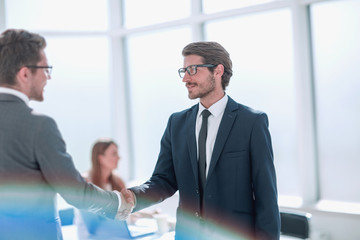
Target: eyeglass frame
[184, 70]
[48, 68]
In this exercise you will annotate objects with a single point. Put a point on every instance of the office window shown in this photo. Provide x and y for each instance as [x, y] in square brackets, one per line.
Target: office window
[156, 91]
[336, 37]
[139, 13]
[260, 46]
[212, 6]
[78, 95]
[58, 15]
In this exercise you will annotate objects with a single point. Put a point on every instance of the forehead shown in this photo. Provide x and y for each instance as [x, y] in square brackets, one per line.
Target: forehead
[192, 60]
[112, 147]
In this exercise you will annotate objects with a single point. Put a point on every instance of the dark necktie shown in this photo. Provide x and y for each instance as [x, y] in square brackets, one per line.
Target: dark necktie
[202, 150]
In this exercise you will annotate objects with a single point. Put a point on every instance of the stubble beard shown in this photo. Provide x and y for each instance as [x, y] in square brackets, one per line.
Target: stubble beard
[204, 92]
[37, 94]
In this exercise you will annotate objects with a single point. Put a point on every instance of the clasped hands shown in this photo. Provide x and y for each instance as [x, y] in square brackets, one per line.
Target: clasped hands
[127, 204]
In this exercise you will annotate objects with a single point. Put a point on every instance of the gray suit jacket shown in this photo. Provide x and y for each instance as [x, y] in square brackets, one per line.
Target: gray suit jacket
[34, 166]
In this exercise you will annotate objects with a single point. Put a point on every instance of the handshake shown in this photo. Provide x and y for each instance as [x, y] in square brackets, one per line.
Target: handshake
[128, 201]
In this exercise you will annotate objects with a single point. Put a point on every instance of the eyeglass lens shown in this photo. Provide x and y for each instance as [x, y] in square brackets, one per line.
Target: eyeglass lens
[192, 70]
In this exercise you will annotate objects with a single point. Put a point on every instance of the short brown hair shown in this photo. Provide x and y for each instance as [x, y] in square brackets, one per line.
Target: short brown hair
[18, 48]
[212, 53]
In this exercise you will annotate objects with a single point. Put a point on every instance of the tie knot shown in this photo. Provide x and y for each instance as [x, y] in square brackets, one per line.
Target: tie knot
[205, 113]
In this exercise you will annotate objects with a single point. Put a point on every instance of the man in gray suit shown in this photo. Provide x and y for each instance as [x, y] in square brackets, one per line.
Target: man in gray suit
[34, 164]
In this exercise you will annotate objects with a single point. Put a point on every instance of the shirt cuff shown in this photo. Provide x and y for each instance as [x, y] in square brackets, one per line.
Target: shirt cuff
[135, 201]
[119, 197]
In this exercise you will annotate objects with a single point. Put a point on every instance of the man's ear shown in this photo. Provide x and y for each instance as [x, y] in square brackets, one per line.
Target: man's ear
[219, 70]
[22, 76]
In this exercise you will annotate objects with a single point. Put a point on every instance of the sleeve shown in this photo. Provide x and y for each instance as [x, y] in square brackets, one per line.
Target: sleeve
[162, 183]
[60, 173]
[264, 180]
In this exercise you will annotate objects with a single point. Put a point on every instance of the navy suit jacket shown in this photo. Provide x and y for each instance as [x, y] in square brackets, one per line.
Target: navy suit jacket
[240, 196]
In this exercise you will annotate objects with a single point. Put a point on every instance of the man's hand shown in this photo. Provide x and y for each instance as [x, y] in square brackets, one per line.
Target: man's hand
[127, 204]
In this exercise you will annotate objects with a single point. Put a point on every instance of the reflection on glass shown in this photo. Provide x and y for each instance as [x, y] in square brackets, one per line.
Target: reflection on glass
[78, 94]
[211, 6]
[261, 51]
[156, 91]
[144, 12]
[336, 37]
[67, 15]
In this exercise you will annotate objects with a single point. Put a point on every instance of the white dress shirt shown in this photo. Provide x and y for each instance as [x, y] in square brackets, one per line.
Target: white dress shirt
[217, 112]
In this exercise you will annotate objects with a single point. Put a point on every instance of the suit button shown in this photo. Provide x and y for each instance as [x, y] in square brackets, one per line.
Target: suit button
[197, 191]
[197, 214]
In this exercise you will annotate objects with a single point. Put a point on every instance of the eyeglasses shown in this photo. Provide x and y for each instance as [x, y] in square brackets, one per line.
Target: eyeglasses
[48, 69]
[192, 69]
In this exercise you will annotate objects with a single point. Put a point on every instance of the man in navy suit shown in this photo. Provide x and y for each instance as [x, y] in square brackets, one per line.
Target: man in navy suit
[235, 195]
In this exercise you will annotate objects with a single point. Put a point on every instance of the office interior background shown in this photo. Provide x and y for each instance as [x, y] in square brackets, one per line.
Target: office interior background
[115, 75]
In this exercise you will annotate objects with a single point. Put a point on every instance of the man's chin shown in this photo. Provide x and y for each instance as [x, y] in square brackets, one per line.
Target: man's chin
[192, 96]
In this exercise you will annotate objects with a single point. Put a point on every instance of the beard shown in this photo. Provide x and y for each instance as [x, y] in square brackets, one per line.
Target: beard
[37, 94]
[203, 90]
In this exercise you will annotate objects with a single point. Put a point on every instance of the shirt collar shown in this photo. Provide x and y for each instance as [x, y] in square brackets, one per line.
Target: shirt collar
[217, 108]
[16, 93]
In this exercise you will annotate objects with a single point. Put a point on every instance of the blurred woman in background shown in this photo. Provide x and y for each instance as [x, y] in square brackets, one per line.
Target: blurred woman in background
[104, 159]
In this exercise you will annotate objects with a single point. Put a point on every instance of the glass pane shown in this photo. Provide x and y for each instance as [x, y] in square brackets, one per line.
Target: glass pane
[262, 56]
[78, 96]
[337, 74]
[156, 91]
[211, 6]
[80, 15]
[144, 12]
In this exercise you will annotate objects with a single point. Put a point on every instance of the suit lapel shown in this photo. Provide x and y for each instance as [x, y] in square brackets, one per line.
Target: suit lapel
[223, 132]
[191, 139]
